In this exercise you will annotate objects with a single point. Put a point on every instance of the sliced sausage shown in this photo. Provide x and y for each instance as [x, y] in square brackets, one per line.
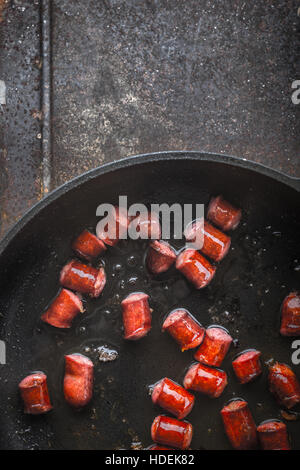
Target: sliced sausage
[117, 223]
[290, 315]
[173, 398]
[35, 395]
[239, 425]
[206, 380]
[223, 214]
[88, 246]
[171, 432]
[284, 385]
[215, 244]
[247, 366]
[273, 435]
[83, 278]
[64, 308]
[78, 380]
[136, 316]
[214, 347]
[160, 257]
[195, 268]
[184, 328]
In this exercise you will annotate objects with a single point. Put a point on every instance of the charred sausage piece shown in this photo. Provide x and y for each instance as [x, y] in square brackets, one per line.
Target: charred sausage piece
[273, 435]
[239, 425]
[78, 380]
[206, 380]
[173, 398]
[136, 316]
[63, 309]
[171, 432]
[88, 246]
[147, 226]
[160, 257]
[223, 214]
[35, 395]
[82, 278]
[284, 385]
[213, 243]
[195, 268]
[215, 346]
[116, 227]
[184, 328]
[247, 366]
[157, 447]
[290, 315]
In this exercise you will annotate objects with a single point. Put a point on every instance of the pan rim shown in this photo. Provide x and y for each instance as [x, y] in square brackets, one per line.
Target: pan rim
[292, 182]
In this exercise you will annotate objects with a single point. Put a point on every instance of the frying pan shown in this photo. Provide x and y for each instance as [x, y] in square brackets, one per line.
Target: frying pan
[245, 297]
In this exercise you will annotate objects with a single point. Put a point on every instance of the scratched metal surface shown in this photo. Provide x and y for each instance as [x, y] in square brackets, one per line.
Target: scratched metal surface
[133, 77]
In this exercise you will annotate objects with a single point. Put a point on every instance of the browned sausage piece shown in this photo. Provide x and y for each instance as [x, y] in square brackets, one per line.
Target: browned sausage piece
[223, 214]
[184, 328]
[173, 398]
[239, 425]
[160, 257]
[204, 379]
[273, 435]
[35, 395]
[290, 315]
[215, 346]
[146, 225]
[171, 432]
[64, 308]
[78, 380]
[83, 278]
[136, 315]
[118, 222]
[247, 366]
[88, 246]
[284, 385]
[215, 245]
[195, 268]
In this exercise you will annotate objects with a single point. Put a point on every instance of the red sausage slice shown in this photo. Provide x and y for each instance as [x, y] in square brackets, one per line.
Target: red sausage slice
[284, 385]
[215, 346]
[290, 315]
[223, 214]
[205, 380]
[82, 278]
[118, 221]
[183, 327]
[247, 366]
[78, 380]
[171, 432]
[173, 398]
[195, 268]
[147, 225]
[215, 243]
[273, 435]
[136, 316]
[63, 309]
[88, 246]
[239, 425]
[160, 257]
[35, 395]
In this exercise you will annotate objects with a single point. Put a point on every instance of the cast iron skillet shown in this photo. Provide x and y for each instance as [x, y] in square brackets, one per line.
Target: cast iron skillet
[245, 297]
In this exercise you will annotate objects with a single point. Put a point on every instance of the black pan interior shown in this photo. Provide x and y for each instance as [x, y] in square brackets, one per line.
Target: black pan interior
[245, 296]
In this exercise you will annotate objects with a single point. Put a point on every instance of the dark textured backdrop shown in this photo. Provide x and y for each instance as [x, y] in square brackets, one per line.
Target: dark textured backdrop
[142, 76]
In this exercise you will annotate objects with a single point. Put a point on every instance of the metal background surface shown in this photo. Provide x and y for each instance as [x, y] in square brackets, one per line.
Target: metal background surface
[142, 76]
